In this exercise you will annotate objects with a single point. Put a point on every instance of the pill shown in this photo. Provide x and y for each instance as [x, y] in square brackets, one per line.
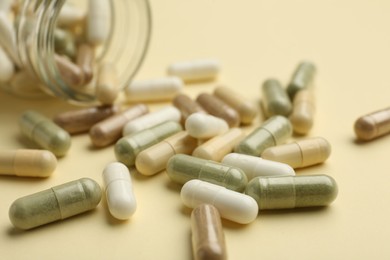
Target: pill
[373, 125]
[7, 69]
[8, 38]
[299, 154]
[302, 116]
[182, 168]
[254, 166]
[218, 108]
[85, 60]
[98, 21]
[119, 191]
[107, 88]
[57, 203]
[246, 109]
[167, 113]
[275, 100]
[44, 132]
[274, 131]
[195, 70]
[128, 147]
[109, 130]
[187, 106]
[203, 126]
[27, 163]
[208, 239]
[286, 192]
[64, 43]
[154, 159]
[232, 205]
[217, 147]
[70, 15]
[70, 73]
[301, 79]
[153, 89]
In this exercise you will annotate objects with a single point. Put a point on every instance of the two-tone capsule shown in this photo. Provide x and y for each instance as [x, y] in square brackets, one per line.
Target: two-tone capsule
[373, 125]
[275, 100]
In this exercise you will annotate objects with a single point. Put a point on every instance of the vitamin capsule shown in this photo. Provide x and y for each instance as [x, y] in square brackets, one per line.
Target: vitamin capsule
[8, 38]
[195, 70]
[154, 159]
[109, 130]
[57, 203]
[119, 191]
[98, 21]
[64, 43]
[254, 166]
[302, 115]
[71, 74]
[27, 163]
[187, 106]
[286, 192]
[70, 15]
[7, 69]
[85, 59]
[373, 125]
[203, 126]
[182, 168]
[274, 131]
[301, 79]
[168, 113]
[301, 153]
[216, 148]
[232, 205]
[218, 108]
[154, 89]
[44, 132]
[208, 239]
[275, 99]
[128, 147]
[107, 88]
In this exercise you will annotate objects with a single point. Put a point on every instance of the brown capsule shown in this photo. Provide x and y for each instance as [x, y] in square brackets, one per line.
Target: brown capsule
[107, 88]
[71, 74]
[373, 125]
[85, 60]
[302, 115]
[187, 106]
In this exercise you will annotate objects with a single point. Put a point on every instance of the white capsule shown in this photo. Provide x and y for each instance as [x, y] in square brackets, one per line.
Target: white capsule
[254, 166]
[70, 15]
[7, 69]
[203, 126]
[153, 89]
[206, 69]
[98, 21]
[119, 191]
[8, 38]
[168, 113]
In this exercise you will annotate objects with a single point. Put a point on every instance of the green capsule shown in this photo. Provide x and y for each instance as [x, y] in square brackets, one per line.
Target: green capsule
[54, 204]
[276, 130]
[127, 148]
[45, 133]
[182, 168]
[275, 99]
[301, 79]
[285, 192]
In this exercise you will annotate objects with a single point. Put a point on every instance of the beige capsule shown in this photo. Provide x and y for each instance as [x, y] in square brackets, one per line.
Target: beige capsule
[107, 88]
[302, 115]
[187, 106]
[71, 74]
[85, 59]
[373, 125]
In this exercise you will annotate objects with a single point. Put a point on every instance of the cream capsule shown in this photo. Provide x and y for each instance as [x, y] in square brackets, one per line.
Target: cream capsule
[203, 126]
[195, 70]
[232, 205]
[98, 21]
[302, 116]
[7, 68]
[373, 125]
[299, 154]
[301, 79]
[59, 202]
[187, 106]
[107, 88]
[275, 100]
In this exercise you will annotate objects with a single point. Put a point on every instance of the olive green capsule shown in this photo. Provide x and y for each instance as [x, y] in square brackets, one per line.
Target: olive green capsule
[182, 168]
[275, 100]
[54, 204]
[285, 192]
[276, 130]
[128, 147]
[45, 133]
[301, 79]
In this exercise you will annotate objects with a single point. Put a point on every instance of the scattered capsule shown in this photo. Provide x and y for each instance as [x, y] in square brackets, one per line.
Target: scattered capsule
[7, 69]
[275, 99]
[301, 79]
[70, 73]
[85, 60]
[373, 125]
[107, 88]
[98, 21]
[299, 154]
[182, 168]
[187, 106]
[286, 192]
[195, 70]
[302, 115]
[203, 126]
[232, 205]
[57, 203]
[70, 15]
[276, 130]
[45, 133]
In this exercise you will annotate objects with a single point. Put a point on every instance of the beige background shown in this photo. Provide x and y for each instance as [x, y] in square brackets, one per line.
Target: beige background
[349, 41]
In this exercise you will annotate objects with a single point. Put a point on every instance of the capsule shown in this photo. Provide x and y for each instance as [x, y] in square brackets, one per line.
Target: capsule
[302, 116]
[98, 21]
[203, 126]
[85, 59]
[301, 153]
[187, 106]
[70, 15]
[373, 125]
[219, 146]
[45, 133]
[119, 191]
[7, 68]
[128, 147]
[107, 88]
[276, 130]
[218, 108]
[301, 79]
[182, 168]
[254, 166]
[64, 43]
[8, 38]
[27, 163]
[109, 130]
[168, 113]
[208, 239]
[195, 70]
[57, 203]
[286, 192]
[275, 99]
[70, 73]
[232, 205]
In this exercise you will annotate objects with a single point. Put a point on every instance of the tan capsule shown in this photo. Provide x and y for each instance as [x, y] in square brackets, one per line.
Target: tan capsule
[109, 130]
[218, 108]
[154, 159]
[107, 88]
[208, 239]
[373, 125]
[71, 74]
[85, 59]
[246, 109]
[299, 154]
[187, 106]
[216, 148]
[302, 116]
